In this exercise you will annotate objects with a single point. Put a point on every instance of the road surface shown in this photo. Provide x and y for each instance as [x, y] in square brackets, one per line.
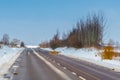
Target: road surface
[38, 64]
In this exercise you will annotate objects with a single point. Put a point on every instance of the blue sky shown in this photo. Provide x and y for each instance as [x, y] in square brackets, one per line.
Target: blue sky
[34, 21]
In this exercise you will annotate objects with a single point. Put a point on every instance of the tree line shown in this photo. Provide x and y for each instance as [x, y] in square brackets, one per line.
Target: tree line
[14, 43]
[86, 33]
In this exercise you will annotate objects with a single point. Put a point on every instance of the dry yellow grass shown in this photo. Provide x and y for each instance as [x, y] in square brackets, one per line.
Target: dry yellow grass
[54, 52]
[108, 52]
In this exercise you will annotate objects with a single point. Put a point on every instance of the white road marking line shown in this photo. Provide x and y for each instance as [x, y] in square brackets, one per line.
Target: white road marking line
[62, 74]
[15, 66]
[84, 72]
[74, 73]
[64, 68]
[82, 78]
[28, 53]
[58, 64]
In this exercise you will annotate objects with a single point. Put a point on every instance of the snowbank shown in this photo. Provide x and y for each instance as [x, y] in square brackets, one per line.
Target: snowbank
[47, 49]
[7, 58]
[91, 55]
[31, 46]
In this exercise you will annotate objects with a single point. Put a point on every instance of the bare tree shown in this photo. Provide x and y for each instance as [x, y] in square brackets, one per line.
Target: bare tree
[86, 33]
[5, 39]
[55, 42]
[15, 42]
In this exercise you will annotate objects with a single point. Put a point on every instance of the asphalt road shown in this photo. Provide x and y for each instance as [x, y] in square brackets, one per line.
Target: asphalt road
[38, 64]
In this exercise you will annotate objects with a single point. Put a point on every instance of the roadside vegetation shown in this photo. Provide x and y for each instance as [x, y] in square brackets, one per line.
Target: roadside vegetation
[88, 32]
[13, 43]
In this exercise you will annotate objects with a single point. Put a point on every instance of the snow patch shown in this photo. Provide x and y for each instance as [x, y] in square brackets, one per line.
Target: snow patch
[31, 46]
[91, 55]
[47, 49]
[7, 57]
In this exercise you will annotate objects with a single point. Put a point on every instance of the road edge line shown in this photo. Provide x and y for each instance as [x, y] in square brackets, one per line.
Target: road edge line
[59, 72]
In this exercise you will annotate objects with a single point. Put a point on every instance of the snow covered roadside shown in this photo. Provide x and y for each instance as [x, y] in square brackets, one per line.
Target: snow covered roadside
[47, 49]
[7, 58]
[32, 46]
[88, 54]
